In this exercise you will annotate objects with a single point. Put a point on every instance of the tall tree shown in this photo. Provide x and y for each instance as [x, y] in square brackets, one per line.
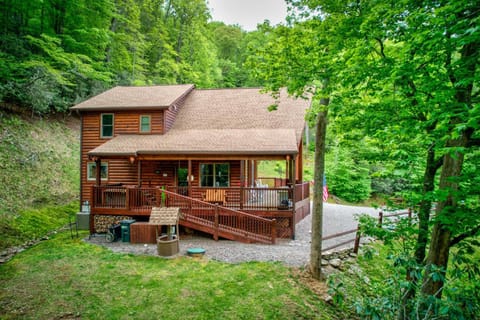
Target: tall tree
[426, 54]
[292, 59]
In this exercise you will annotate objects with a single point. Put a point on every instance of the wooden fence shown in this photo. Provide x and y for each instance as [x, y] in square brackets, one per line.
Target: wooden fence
[356, 240]
[382, 215]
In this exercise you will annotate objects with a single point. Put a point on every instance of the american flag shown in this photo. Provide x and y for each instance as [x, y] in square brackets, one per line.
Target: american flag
[325, 189]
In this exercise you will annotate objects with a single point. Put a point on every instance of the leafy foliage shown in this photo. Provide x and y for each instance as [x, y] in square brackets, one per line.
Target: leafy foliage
[56, 53]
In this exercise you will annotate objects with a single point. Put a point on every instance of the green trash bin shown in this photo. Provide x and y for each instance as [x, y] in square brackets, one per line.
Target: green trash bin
[125, 227]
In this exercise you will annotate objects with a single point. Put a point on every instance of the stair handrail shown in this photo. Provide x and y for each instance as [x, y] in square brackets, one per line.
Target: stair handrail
[271, 222]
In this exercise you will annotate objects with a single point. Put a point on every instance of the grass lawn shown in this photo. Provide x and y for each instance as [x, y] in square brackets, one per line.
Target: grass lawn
[66, 279]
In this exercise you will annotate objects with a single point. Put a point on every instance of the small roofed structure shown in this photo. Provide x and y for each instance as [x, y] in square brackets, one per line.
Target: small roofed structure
[164, 216]
[167, 244]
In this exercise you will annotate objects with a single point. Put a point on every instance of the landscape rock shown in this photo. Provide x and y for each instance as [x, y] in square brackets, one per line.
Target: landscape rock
[336, 263]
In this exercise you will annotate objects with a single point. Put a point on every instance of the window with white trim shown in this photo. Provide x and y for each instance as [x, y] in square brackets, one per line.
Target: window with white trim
[106, 126]
[92, 171]
[214, 174]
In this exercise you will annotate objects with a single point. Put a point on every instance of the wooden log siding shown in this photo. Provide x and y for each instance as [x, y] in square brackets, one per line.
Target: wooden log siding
[125, 122]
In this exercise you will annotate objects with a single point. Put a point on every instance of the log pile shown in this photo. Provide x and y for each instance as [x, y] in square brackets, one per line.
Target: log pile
[101, 222]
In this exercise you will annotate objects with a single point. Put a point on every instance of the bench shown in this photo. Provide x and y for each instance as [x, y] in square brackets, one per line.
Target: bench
[215, 196]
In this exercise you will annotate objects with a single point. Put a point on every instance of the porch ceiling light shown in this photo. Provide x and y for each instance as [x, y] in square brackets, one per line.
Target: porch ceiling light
[131, 159]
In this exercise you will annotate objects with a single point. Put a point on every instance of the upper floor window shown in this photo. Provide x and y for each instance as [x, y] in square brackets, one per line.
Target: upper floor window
[214, 174]
[106, 125]
[145, 123]
[92, 171]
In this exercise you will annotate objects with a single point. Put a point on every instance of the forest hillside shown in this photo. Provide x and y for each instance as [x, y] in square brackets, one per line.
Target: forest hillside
[54, 54]
[39, 183]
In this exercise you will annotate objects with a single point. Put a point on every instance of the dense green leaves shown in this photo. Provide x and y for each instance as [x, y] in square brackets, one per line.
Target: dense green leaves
[55, 53]
[403, 90]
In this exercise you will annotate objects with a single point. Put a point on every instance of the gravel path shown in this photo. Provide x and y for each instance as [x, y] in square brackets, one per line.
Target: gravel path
[337, 218]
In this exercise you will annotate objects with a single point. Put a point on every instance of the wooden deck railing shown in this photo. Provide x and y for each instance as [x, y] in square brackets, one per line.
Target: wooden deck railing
[302, 191]
[139, 199]
[217, 220]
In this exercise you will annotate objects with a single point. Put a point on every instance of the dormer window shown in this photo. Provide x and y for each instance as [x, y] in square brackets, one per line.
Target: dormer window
[106, 125]
[145, 123]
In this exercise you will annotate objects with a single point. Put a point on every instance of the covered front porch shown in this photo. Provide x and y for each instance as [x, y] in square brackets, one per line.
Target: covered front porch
[203, 184]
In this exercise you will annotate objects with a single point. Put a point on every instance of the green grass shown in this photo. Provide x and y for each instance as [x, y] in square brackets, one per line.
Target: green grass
[65, 278]
[32, 224]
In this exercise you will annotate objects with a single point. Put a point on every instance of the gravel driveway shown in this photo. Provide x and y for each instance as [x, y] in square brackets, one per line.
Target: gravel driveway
[337, 218]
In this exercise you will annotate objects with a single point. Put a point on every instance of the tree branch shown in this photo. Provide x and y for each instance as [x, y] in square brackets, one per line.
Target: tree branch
[463, 236]
[382, 48]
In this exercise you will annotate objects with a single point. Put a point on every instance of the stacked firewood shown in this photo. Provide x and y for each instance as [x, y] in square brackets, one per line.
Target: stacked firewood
[101, 222]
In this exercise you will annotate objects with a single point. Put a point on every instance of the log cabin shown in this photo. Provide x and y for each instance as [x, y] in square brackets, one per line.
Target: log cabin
[196, 149]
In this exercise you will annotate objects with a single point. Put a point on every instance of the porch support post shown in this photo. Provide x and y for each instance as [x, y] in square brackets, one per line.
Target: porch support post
[299, 166]
[98, 176]
[242, 173]
[287, 170]
[242, 181]
[189, 177]
[292, 175]
[250, 172]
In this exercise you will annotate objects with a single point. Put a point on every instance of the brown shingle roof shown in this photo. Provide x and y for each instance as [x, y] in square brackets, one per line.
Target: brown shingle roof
[222, 121]
[241, 109]
[123, 98]
[213, 141]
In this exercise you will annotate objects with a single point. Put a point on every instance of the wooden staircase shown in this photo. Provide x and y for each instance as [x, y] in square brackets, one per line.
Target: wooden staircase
[219, 221]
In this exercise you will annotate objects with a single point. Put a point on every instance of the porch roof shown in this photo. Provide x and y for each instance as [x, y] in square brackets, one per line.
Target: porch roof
[195, 141]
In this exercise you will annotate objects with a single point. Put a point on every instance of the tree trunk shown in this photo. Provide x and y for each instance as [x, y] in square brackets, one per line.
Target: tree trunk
[451, 170]
[422, 236]
[438, 253]
[425, 205]
[317, 214]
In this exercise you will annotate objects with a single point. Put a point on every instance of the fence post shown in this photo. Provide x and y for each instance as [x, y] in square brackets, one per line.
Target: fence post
[215, 235]
[380, 218]
[410, 213]
[357, 240]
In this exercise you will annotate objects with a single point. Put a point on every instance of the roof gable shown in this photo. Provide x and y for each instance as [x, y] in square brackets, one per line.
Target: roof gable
[127, 98]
